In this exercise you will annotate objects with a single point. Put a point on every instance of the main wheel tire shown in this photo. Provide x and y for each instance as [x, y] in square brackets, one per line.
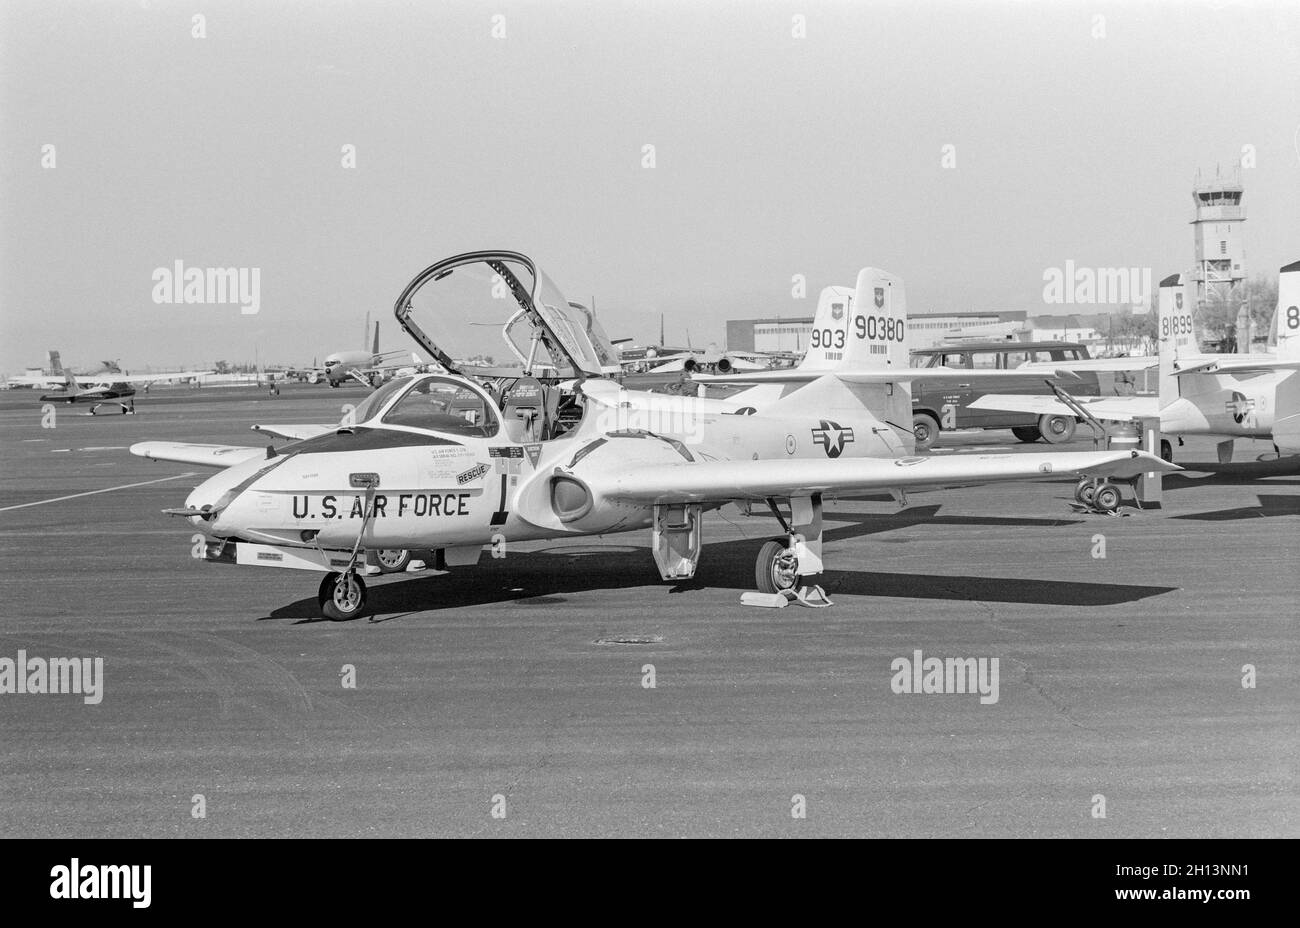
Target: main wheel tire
[1106, 499]
[341, 596]
[1057, 429]
[1027, 433]
[1086, 493]
[1166, 451]
[776, 569]
[1080, 488]
[392, 560]
[926, 429]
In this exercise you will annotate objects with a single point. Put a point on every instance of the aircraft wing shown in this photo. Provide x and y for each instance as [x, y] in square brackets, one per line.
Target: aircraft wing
[294, 432]
[674, 362]
[34, 380]
[1114, 408]
[723, 481]
[97, 393]
[902, 375]
[189, 453]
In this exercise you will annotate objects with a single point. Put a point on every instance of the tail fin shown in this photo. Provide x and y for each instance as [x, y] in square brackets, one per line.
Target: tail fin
[1286, 318]
[375, 349]
[863, 329]
[1176, 335]
[56, 368]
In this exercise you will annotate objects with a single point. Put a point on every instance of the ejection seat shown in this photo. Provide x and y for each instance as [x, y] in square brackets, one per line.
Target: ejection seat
[468, 406]
[527, 410]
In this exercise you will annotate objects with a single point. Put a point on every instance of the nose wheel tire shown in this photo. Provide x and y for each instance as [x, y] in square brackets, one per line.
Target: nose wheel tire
[342, 596]
[777, 569]
[1166, 451]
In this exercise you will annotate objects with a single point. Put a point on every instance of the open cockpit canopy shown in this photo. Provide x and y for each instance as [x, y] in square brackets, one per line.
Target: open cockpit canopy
[457, 309]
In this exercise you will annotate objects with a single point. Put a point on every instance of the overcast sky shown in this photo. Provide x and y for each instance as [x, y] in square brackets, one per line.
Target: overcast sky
[774, 156]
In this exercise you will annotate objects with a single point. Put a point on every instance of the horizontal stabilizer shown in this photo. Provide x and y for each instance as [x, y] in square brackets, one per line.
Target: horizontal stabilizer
[1094, 364]
[1238, 367]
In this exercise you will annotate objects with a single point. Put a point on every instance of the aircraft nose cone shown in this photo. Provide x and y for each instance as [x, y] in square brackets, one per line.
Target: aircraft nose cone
[208, 496]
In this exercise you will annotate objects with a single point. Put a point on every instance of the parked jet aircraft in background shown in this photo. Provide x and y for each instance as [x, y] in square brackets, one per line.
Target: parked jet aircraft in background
[713, 360]
[366, 366]
[1232, 396]
[433, 461]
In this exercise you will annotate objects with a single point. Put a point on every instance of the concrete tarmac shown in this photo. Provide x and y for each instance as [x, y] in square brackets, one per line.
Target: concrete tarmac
[525, 678]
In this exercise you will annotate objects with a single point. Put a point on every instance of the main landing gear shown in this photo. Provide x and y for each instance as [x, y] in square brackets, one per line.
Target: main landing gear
[1098, 495]
[785, 565]
[777, 569]
[392, 560]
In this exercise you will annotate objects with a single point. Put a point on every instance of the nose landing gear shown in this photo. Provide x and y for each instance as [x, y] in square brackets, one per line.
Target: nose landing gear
[342, 596]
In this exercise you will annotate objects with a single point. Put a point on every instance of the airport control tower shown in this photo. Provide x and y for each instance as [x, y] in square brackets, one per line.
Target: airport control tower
[1220, 272]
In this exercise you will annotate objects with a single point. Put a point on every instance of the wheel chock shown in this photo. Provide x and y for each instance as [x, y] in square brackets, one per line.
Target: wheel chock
[768, 600]
[812, 596]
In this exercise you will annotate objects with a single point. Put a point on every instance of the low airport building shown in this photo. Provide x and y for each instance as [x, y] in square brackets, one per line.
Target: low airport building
[1099, 331]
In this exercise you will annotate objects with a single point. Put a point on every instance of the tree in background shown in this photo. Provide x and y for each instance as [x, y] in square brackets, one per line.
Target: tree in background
[1133, 333]
[1261, 293]
[1218, 320]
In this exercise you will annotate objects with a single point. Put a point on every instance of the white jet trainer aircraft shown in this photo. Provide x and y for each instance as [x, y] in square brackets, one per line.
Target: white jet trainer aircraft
[436, 461]
[1225, 395]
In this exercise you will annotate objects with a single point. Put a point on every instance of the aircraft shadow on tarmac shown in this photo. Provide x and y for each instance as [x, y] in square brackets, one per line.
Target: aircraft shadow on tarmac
[1233, 474]
[1268, 507]
[550, 575]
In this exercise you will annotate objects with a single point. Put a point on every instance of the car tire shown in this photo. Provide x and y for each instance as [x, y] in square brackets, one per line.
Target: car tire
[925, 428]
[1057, 430]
